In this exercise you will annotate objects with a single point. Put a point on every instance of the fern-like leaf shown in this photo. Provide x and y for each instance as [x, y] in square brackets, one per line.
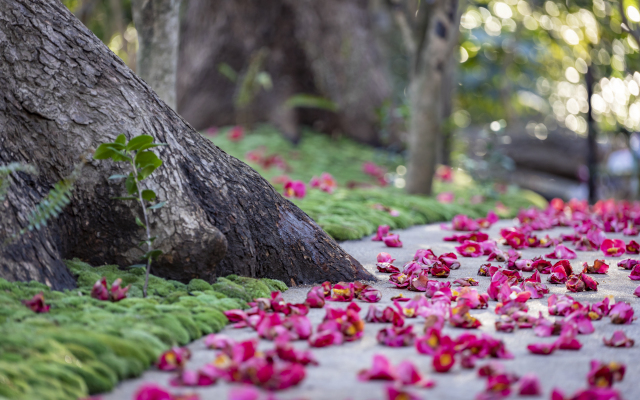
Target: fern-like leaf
[6, 170]
[54, 202]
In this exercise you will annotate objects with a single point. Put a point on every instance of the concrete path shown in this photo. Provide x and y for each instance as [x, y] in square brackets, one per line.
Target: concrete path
[335, 377]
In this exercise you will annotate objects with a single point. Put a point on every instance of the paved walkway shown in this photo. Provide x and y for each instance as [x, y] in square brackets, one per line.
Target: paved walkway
[335, 377]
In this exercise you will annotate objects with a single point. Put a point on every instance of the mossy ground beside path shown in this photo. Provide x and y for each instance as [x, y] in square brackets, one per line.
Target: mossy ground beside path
[85, 346]
[350, 214]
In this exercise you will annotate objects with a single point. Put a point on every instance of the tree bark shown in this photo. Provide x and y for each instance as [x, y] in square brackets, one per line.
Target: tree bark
[64, 93]
[158, 26]
[436, 28]
[319, 48]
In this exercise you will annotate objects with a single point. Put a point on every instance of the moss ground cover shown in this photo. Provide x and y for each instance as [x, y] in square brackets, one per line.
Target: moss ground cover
[353, 213]
[84, 346]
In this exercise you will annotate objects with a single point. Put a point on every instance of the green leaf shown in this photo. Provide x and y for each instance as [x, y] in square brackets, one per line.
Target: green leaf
[103, 152]
[118, 176]
[138, 141]
[146, 158]
[140, 223]
[152, 254]
[150, 145]
[149, 241]
[121, 139]
[157, 205]
[145, 172]
[120, 155]
[138, 266]
[146, 163]
[131, 185]
[148, 195]
[125, 198]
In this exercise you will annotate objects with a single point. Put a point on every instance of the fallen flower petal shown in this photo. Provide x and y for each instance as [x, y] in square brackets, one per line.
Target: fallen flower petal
[603, 375]
[243, 393]
[326, 338]
[315, 297]
[598, 267]
[575, 284]
[621, 313]
[443, 360]
[383, 231]
[297, 189]
[392, 240]
[394, 393]
[343, 291]
[439, 270]
[100, 290]
[459, 317]
[381, 369]
[633, 247]
[613, 247]
[563, 252]
[589, 282]
[466, 282]
[634, 275]
[151, 391]
[173, 359]
[542, 348]
[470, 248]
[370, 295]
[529, 385]
[628, 263]
[543, 266]
[396, 336]
[619, 339]
[408, 374]
[37, 304]
[218, 341]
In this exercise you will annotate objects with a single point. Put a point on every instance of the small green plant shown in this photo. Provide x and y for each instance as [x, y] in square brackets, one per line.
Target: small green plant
[142, 161]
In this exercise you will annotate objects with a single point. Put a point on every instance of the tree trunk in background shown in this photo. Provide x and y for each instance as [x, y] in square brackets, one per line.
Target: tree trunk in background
[158, 26]
[436, 38]
[64, 93]
[319, 48]
[592, 146]
[448, 92]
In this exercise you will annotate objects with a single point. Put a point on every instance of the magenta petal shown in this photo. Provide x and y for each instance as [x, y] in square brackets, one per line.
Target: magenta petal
[151, 391]
[529, 385]
[619, 339]
[392, 240]
[621, 313]
[542, 348]
[613, 247]
[380, 370]
[383, 230]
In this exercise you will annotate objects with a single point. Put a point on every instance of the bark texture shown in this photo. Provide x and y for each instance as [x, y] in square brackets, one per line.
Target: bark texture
[321, 48]
[158, 26]
[64, 93]
[436, 36]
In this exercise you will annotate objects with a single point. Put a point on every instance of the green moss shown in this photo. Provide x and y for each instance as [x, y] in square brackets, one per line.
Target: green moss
[275, 285]
[254, 287]
[198, 285]
[231, 289]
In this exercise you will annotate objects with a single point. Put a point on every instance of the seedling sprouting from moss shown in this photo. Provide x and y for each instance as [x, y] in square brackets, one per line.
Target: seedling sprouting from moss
[143, 162]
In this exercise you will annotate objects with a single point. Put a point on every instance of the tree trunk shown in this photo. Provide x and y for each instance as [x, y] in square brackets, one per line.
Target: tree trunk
[64, 93]
[436, 38]
[158, 25]
[320, 48]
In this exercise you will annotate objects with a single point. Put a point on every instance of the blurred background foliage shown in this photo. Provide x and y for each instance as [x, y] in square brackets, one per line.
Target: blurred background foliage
[524, 76]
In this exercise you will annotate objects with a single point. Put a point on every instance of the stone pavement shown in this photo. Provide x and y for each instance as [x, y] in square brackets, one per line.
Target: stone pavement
[335, 377]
